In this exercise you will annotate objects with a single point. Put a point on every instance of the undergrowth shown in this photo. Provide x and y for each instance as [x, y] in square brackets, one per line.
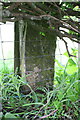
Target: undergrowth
[60, 102]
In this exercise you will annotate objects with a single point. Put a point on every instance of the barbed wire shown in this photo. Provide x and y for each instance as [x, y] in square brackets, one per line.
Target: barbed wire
[40, 56]
[23, 41]
[2, 47]
[43, 69]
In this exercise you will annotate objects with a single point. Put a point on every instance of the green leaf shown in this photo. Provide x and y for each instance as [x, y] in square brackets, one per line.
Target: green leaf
[66, 54]
[66, 17]
[53, 28]
[71, 62]
[76, 8]
[1, 115]
[43, 34]
[9, 115]
[60, 94]
[59, 64]
[71, 69]
[33, 104]
[56, 103]
[72, 32]
[74, 51]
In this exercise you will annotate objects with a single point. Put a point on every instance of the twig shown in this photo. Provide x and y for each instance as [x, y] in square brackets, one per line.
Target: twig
[66, 46]
[43, 106]
[49, 16]
[33, 17]
[39, 111]
[45, 116]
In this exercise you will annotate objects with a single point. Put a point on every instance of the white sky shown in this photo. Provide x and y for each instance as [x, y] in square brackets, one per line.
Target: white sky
[7, 34]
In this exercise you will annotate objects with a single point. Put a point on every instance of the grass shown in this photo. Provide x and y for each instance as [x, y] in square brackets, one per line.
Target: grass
[60, 102]
[6, 65]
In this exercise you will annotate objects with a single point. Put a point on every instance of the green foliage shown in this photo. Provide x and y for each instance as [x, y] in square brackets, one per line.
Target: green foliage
[72, 32]
[9, 116]
[42, 33]
[76, 8]
[66, 5]
[62, 99]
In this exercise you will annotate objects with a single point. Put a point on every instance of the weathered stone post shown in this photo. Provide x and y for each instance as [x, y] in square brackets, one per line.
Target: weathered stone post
[40, 54]
[37, 53]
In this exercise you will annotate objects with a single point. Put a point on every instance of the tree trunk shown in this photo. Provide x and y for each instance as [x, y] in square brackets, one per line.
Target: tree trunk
[16, 49]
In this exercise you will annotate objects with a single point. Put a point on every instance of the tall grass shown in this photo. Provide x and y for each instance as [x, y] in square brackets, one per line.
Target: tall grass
[59, 102]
